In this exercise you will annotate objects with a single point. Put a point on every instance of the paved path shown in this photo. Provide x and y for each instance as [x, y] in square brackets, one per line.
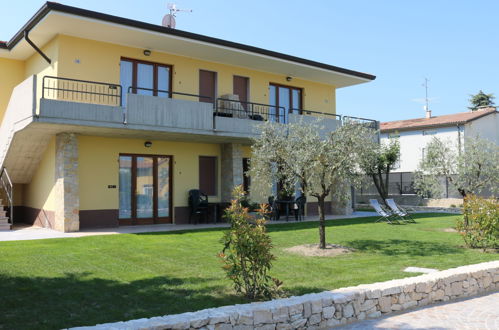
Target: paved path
[473, 313]
[30, 233]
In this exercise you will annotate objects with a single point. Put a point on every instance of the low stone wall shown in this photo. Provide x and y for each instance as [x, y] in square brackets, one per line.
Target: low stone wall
[331, 308]
[429, 209]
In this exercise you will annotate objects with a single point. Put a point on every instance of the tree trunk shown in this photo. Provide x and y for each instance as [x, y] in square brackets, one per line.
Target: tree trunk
[322, 223]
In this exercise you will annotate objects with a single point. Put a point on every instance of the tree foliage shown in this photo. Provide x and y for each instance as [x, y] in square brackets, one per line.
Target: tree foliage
[378, 163]
[246, 255]
[481, 100]
[480, 222]
[304, 154]
[471, 168]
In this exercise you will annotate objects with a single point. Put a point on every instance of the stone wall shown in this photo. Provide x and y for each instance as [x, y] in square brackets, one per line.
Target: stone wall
[331, 308]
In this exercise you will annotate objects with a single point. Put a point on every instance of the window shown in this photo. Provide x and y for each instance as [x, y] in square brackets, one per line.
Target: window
[429, 132]
[145, 78]
[208, 175]
[289, 98]
[394, 135]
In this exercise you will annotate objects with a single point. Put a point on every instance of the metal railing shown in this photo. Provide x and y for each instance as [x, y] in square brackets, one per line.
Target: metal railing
[84, 91]
[8, 188]
[249, 110]
[400, 183]
[371, 123]
[314, 113]
[166, 93]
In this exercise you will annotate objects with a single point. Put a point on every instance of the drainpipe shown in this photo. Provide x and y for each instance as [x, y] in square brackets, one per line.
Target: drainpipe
[459, 138]
[38, 50]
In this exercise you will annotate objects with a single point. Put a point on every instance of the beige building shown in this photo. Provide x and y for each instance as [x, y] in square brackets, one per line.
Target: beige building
[107, 121]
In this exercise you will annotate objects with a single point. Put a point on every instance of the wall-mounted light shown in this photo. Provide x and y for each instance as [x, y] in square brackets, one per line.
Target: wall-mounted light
[148, 144]
[288, 78]
[147, 52]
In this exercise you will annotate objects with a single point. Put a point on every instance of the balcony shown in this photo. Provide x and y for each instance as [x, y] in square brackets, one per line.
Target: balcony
[98, 104]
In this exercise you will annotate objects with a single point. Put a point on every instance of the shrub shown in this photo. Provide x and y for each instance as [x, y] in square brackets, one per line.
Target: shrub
[480, 222]
[246, 254]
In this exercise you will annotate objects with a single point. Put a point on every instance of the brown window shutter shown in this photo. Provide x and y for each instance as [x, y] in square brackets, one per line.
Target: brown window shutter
[208, 175]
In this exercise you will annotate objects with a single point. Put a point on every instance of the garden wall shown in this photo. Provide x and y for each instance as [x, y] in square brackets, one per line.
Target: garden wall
[331, 308]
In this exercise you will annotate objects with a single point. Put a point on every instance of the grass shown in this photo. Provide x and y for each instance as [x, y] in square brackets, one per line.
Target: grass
[58, 283]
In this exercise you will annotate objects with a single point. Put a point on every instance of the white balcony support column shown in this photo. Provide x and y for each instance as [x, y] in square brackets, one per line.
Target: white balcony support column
[232, 169]
[67, 203]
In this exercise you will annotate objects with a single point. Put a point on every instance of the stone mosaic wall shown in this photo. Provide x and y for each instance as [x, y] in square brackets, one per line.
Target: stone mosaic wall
[332, 308]
[67, 203]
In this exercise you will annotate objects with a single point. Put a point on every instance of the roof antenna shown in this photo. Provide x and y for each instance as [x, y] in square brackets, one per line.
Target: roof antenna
[426, 107]
[169, 19]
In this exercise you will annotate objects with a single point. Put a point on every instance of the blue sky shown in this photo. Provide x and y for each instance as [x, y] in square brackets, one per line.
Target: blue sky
[453, 43]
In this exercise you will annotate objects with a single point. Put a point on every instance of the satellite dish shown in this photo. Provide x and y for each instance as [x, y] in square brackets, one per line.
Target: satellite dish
[169, 21]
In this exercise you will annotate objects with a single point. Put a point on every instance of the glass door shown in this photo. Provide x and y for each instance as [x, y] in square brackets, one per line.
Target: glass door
[145, 189]
[284, 100]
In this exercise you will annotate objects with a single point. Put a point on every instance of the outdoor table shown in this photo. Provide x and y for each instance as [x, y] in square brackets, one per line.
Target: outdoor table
[287, 204]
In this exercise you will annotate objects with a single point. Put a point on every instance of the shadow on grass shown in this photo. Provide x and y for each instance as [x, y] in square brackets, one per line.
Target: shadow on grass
[299, 225]
[77, 299]
[395, 247]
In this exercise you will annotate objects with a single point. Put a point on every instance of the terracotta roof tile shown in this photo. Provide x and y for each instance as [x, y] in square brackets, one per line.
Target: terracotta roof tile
[437, 121]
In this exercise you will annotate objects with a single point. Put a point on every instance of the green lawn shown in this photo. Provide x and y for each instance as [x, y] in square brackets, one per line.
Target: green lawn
[57, 283]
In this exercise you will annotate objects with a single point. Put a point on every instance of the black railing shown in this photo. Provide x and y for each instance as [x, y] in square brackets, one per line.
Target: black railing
[8, 189]
[371, 123]
[315, 113]
[166, 93]
[249, 110]
[81, 91]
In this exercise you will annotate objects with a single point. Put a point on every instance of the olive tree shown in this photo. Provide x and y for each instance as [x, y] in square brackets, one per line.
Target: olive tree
[471, 167]
[305, 155]
[379, 162]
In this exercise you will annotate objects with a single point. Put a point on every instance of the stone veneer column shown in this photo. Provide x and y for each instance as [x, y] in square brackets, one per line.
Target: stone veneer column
[67, 203]
[341, 207]
[232, 169]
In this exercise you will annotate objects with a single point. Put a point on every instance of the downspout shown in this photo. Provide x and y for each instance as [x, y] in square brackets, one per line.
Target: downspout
[38, 50]
[459, 138]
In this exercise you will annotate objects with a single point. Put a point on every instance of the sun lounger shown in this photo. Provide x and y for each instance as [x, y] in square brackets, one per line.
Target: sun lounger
[399, 211]
[384, 214]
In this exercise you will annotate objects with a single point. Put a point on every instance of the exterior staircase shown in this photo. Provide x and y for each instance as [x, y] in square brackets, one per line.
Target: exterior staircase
[4, 220]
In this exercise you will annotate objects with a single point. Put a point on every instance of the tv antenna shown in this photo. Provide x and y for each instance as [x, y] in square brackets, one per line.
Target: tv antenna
[169, 19]
[425, 85]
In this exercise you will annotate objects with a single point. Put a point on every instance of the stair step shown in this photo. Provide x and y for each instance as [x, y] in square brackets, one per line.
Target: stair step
[2, 221]
[7, 226]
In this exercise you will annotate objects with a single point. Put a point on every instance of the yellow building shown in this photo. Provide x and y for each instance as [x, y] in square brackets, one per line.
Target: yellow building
[107, 121]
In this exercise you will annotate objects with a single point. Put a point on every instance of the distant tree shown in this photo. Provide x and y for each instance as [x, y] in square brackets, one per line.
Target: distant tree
[471, 168]
[304, 155]
[379, 162]
[481, 100]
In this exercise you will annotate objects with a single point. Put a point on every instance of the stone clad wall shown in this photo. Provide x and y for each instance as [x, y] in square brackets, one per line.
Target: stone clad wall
[331, 308]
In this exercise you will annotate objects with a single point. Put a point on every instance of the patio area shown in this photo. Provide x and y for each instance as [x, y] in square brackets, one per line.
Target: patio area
[23, 232]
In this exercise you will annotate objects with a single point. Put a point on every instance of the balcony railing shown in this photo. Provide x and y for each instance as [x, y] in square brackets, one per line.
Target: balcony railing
[83, 91]
[249, 110]
[370, 123]
[103, 93]
[166, 93]
[315, 113]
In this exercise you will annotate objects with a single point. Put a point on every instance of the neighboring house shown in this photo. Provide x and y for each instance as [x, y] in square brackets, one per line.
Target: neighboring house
[107, 121]
[414, 134]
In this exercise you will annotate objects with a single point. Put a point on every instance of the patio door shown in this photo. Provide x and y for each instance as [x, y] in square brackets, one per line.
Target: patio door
[284, 100]
[145, 189]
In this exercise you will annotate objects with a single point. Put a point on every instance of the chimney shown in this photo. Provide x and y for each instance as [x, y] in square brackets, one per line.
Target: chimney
[428, 112]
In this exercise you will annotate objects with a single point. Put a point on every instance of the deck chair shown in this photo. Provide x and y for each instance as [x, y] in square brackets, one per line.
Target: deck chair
[384, 214]
[400, 211]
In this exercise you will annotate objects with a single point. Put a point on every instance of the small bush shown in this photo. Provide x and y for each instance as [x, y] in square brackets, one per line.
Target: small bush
[246, 254]
[480, 223]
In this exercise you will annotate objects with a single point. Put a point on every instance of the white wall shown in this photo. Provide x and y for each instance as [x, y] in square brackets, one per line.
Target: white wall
[413, 142]
[486, 127]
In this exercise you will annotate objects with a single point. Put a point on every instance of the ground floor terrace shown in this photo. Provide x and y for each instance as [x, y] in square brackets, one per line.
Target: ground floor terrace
[85, 181]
